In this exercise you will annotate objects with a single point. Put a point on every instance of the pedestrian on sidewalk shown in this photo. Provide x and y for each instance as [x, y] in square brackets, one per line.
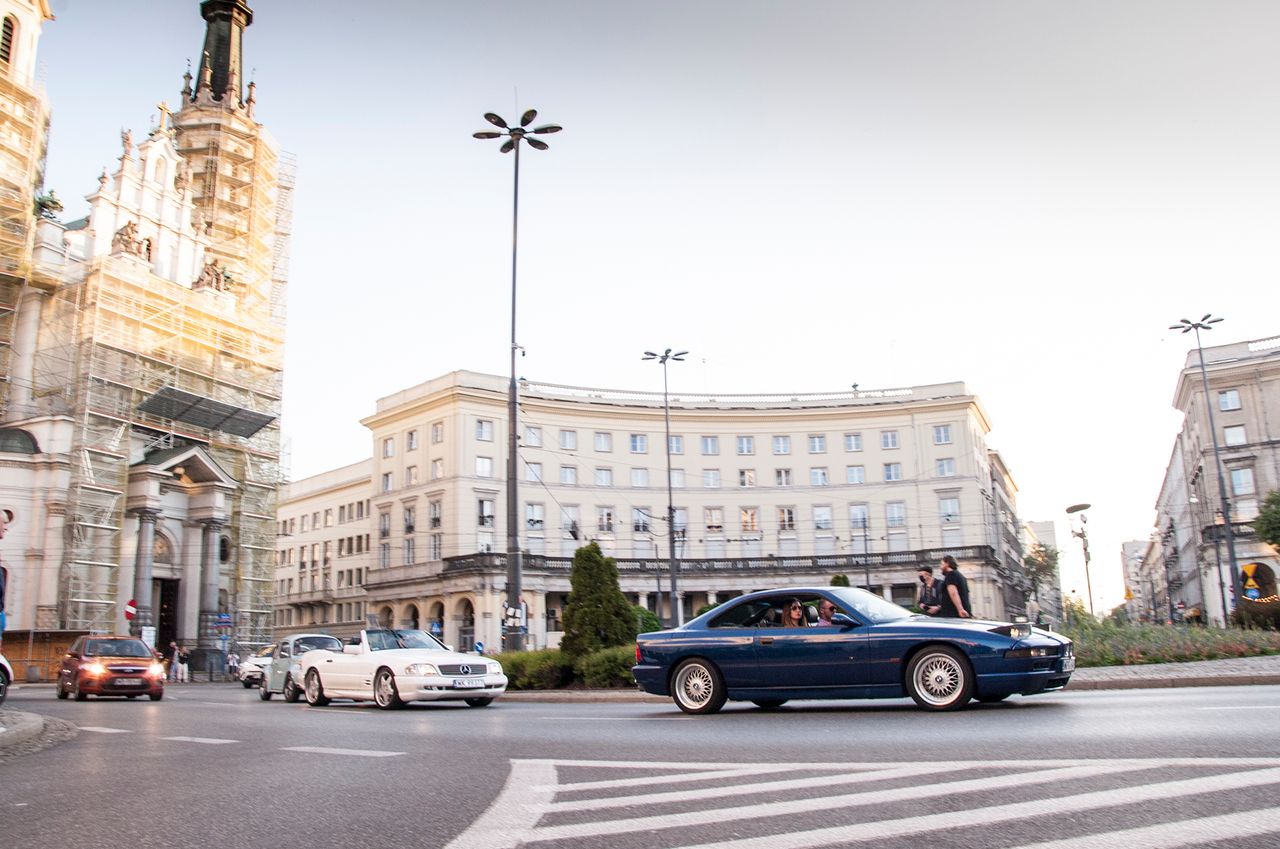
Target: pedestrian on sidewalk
[184, 668]
[6, 516]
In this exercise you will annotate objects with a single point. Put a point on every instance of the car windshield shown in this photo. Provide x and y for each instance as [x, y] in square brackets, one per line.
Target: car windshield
[267, 652]
[116, 648]
[313, 643]
[381, 640]
[868, 605]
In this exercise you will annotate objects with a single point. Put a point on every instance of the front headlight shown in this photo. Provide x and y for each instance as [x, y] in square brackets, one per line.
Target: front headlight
[1035, 652]
[157, 670]
[93, 669]
[421, 669]
[495, 668]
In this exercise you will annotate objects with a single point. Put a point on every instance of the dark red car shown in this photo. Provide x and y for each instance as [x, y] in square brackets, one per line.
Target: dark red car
[110, 666]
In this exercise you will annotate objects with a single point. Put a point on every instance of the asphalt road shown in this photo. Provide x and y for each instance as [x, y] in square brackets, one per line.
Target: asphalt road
[214, 766]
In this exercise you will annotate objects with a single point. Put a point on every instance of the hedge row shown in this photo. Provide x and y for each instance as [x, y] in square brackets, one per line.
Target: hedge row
[551, 669]
[1116, 644]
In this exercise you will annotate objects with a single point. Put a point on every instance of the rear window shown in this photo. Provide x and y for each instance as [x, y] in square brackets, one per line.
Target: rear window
[116, 648]
[744, 615]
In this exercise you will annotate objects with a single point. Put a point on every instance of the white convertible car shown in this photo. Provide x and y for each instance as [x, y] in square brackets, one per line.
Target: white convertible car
[394, 666]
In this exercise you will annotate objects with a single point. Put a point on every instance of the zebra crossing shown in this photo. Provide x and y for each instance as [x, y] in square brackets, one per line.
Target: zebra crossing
[1013, 804]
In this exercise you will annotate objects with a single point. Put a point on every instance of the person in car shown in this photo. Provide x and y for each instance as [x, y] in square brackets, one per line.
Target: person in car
[826, 609]
[793, 615]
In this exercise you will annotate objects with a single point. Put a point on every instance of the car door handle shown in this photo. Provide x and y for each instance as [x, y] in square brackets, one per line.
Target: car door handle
[766, 641]
[328, 660]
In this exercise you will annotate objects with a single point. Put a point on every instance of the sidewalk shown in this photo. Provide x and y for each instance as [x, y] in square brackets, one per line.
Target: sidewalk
[17, 728]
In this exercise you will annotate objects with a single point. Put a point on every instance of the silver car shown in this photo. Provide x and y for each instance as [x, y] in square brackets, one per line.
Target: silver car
[251, 667]
[281, 675]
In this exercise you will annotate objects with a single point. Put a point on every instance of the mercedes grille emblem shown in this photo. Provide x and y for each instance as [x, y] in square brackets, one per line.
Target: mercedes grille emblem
[464, 669]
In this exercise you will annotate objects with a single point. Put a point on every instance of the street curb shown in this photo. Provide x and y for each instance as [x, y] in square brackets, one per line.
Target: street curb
[17, 727]
[1163, 683]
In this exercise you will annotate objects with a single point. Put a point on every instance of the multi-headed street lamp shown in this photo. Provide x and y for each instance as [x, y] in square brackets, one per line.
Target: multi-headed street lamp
[1083, 533]
[1206, 323]
[677, 611]
[514, 135]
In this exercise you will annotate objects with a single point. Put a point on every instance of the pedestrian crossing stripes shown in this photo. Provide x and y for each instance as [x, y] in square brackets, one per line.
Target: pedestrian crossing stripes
[355, 753]
[211, 741]
[1065, 804]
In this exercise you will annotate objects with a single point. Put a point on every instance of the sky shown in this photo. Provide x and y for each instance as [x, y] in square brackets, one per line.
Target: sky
[1019, 195]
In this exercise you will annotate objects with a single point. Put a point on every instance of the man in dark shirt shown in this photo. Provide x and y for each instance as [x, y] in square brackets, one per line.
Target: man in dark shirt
[955, 591]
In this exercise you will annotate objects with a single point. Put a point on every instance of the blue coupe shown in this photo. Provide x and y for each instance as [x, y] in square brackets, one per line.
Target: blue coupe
[750, 649]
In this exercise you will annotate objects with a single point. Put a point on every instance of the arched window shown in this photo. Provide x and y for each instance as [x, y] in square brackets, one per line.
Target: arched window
[16, 441]
[8, 33]
[161, 172]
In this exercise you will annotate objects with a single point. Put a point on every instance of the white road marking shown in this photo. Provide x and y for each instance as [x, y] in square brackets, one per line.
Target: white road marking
[511, 819]
[97, 729]
[355, 753]
[664, 780]
[1170, 834]
[212, 741]
[1239, 707]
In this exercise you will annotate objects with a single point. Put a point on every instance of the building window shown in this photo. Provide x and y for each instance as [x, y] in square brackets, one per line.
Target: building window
[411, 441]
[604, 520]
[6, 39]
[949, 510]
[484, 467]
[410, 555]
[386, 481]
[676, 444]
[893, 471]
[569, 440]
[640, 520]
[749, 518]
[782, 445]
[484, 430]
[677, 478]
[942, 434]
[388, 447]
[384, 525]
[945, 467]
[782, 477]
[639, 443]
[1228, 400]
[746, 445]
[411, 476]
[533, 472]
[437, 433]
[534, 517]
[888, 439]
[532, 436]
[822, 518]
[604, 477]
[484, 512]
[1234, 435]
[603, 441]
[711, 478]
[435, 514]
[713, 519]
[818, 476]
[1242, 481]
[437, 469]
[853, 442]
[895, 514]
[437, 546]
[639, 477]
[410, 515]
[746, 477]
[384, 555]
[859, 518]
[571, 521]
[328, 518]
[855, 474]
[569, 475]
[817, 444]
[786, 518]
[710, 446]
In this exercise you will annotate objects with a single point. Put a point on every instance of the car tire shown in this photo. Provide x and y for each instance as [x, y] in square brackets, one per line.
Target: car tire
[315, 690]
[768, 704]
[483, 701]
[990, 700]
[696, 687]
[79, 694]
[292, 692]
[264, 691]
[248, 685]
[155, 697]
[385, 694]
[62, 691]
[4, 686]
[939, 678]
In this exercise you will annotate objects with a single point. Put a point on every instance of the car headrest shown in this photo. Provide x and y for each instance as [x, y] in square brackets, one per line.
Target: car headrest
[810, 614]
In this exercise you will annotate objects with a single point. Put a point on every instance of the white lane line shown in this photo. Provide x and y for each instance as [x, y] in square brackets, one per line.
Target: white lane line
[619, 718]
[212, 741]
[664, 780]
[824, 803]
[745, 789]
[1240, 707]
[1170, 834]
[510, 820]
[97, 729]
[355, 753]
[921, 823]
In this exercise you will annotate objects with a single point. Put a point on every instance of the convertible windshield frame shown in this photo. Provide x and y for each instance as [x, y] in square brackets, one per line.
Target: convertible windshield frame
[403, 638]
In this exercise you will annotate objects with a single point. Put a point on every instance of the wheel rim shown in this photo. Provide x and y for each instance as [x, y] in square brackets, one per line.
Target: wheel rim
[313, 686]
[694, 685]
[385, 689]
[938, 679]
[289, 686]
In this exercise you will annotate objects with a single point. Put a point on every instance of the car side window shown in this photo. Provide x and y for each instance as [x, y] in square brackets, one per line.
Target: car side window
[747, 614]
[284, 649]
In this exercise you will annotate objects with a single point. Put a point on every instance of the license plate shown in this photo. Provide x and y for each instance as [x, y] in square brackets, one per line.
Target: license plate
[128, 682]
[468, 683]
[1068, 664]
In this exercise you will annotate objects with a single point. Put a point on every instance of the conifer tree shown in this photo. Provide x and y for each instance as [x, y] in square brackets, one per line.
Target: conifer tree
[596, 614]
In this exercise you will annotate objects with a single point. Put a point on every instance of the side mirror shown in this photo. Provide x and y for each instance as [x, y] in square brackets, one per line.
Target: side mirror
[844, 620]
[73, 655]
[448, 648]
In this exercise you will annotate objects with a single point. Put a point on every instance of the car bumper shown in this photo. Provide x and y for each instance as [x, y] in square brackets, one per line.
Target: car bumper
[1024, 683]
[121, 685]
[651, 679]
[252, 676]
[441, 688]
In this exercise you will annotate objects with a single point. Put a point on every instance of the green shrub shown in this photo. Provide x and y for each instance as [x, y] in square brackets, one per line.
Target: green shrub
[1125, 644]
[647, 619]
[548, 669]
[1257, 614]
[609, 667]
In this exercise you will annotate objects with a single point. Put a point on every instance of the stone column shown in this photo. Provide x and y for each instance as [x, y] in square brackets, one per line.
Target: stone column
[142, 569]
[711, 597]
[209, 574]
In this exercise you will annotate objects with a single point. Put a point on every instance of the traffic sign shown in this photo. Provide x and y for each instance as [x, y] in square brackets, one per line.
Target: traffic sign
[130, 610]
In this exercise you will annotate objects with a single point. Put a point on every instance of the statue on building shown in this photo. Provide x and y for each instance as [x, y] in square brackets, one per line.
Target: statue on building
[126, 240]
[212, 276]
[126, 140]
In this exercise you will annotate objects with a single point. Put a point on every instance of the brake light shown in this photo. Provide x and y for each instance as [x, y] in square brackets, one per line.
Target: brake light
[637, 652]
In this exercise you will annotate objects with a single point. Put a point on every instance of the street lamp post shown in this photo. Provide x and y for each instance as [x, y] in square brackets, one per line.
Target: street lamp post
[1083, 534]
[677, 612]
[514, 135]
[1206, 322]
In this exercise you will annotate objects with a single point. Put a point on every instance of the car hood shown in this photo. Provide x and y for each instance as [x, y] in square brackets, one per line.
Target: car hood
[435, 656]
[113, 659]
[974, 626]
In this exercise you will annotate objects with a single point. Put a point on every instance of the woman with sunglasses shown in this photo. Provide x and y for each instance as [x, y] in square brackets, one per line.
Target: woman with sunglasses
[793, 615]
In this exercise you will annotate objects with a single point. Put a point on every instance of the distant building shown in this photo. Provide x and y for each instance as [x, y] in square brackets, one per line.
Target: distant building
[1189, 556]
[768, 490]
[1049, 593]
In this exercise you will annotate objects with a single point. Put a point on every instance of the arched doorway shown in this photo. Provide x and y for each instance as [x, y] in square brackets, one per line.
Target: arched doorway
[386, 618]
[164, 592]
[466, 616]
[410, 619]
[435, 621]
